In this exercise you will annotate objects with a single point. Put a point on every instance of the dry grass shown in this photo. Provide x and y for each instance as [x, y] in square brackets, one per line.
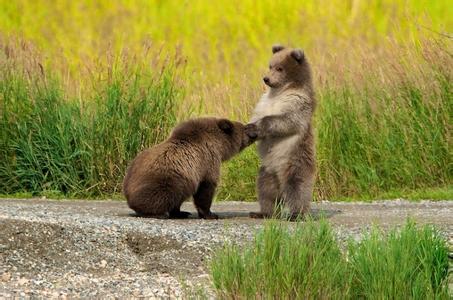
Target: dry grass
[227, 52]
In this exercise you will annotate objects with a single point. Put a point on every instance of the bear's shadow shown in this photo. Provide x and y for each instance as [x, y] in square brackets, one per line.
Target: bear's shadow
[315, 214]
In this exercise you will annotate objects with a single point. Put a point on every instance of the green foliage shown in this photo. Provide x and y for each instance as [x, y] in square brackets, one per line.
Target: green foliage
[408, 264]
[50, 142]
[370, 142]
[305, 262]
[277, 264]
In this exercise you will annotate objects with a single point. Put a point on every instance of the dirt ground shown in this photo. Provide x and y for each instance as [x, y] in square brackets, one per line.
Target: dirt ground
[77, 248]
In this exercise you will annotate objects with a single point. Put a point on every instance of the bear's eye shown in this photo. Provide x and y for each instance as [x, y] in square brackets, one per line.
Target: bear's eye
[279, 69]
[270, 67]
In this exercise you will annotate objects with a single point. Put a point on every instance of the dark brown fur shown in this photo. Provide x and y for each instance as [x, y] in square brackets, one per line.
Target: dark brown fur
[187, 164]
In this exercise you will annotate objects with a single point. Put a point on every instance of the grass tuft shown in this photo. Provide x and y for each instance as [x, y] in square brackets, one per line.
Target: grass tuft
[410, 263]
[278, 262]
[306, 262]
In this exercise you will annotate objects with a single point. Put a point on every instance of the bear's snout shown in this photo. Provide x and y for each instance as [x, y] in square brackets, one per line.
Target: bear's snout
[266, 80]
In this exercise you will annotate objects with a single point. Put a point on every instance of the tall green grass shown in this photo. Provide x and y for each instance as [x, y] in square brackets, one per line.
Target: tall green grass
[278, 262]
[384, 131]
[411, 263]
[56, 143]
[374, 141]
[306, 262]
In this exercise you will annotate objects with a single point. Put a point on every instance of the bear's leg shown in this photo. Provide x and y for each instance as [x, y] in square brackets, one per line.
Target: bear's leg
[298, 192]
[268, 193]
[203, 200]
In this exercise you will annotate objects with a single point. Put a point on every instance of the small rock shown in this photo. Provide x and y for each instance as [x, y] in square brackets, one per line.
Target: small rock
[103, 263]
[6, 277]
[22, 281]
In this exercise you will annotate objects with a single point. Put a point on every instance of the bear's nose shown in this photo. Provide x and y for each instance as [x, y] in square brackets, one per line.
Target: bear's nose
[266, 80]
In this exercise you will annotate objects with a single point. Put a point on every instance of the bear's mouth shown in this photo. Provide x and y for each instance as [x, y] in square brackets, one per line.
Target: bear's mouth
[271, 84]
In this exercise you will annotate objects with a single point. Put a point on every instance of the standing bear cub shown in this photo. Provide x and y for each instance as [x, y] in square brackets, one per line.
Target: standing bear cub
[187, 164]
[282, 124]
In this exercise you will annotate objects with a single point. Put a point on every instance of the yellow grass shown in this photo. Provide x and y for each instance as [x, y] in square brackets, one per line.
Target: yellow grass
[225, 43]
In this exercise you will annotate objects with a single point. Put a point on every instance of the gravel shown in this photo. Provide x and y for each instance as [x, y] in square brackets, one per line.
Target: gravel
[76, 248]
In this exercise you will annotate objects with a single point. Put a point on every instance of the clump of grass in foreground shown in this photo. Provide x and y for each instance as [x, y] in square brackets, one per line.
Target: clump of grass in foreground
[405, 264]
[302, 263]
[306, 262]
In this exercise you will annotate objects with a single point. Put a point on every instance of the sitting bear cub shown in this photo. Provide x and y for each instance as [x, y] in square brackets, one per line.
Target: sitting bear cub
[187, 164]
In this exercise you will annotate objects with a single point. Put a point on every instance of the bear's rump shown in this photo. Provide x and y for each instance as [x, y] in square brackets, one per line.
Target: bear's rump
[159, 195]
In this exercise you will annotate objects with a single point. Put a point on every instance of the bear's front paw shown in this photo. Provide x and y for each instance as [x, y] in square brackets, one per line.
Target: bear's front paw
[252, 131]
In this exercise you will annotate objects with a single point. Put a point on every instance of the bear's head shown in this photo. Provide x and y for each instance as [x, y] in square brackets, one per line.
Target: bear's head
[233, 136]
[288, 67]
[221, 136]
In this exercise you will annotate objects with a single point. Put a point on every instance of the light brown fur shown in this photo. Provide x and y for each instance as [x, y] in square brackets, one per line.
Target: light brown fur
[187, 164]
[282, 123]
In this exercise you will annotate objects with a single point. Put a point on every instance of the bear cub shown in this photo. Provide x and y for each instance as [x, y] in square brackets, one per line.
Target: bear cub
[282, 124]
[187, 164]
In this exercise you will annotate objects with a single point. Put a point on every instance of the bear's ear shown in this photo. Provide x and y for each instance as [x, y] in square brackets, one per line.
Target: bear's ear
[226, 126]
[277, 48]
[298, 55]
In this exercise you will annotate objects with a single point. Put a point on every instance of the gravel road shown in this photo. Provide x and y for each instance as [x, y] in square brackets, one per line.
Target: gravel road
[77, 248]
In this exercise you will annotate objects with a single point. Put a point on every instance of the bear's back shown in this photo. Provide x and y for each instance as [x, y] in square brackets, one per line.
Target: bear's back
[166, 160]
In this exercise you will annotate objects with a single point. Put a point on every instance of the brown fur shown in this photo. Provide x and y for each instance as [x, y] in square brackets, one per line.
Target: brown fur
[282, 123]
[187, 164]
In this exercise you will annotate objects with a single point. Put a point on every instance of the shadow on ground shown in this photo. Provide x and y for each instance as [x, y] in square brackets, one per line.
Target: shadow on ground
[315, 214]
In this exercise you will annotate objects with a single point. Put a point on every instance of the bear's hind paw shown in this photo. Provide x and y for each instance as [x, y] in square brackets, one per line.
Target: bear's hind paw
[179, 214]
